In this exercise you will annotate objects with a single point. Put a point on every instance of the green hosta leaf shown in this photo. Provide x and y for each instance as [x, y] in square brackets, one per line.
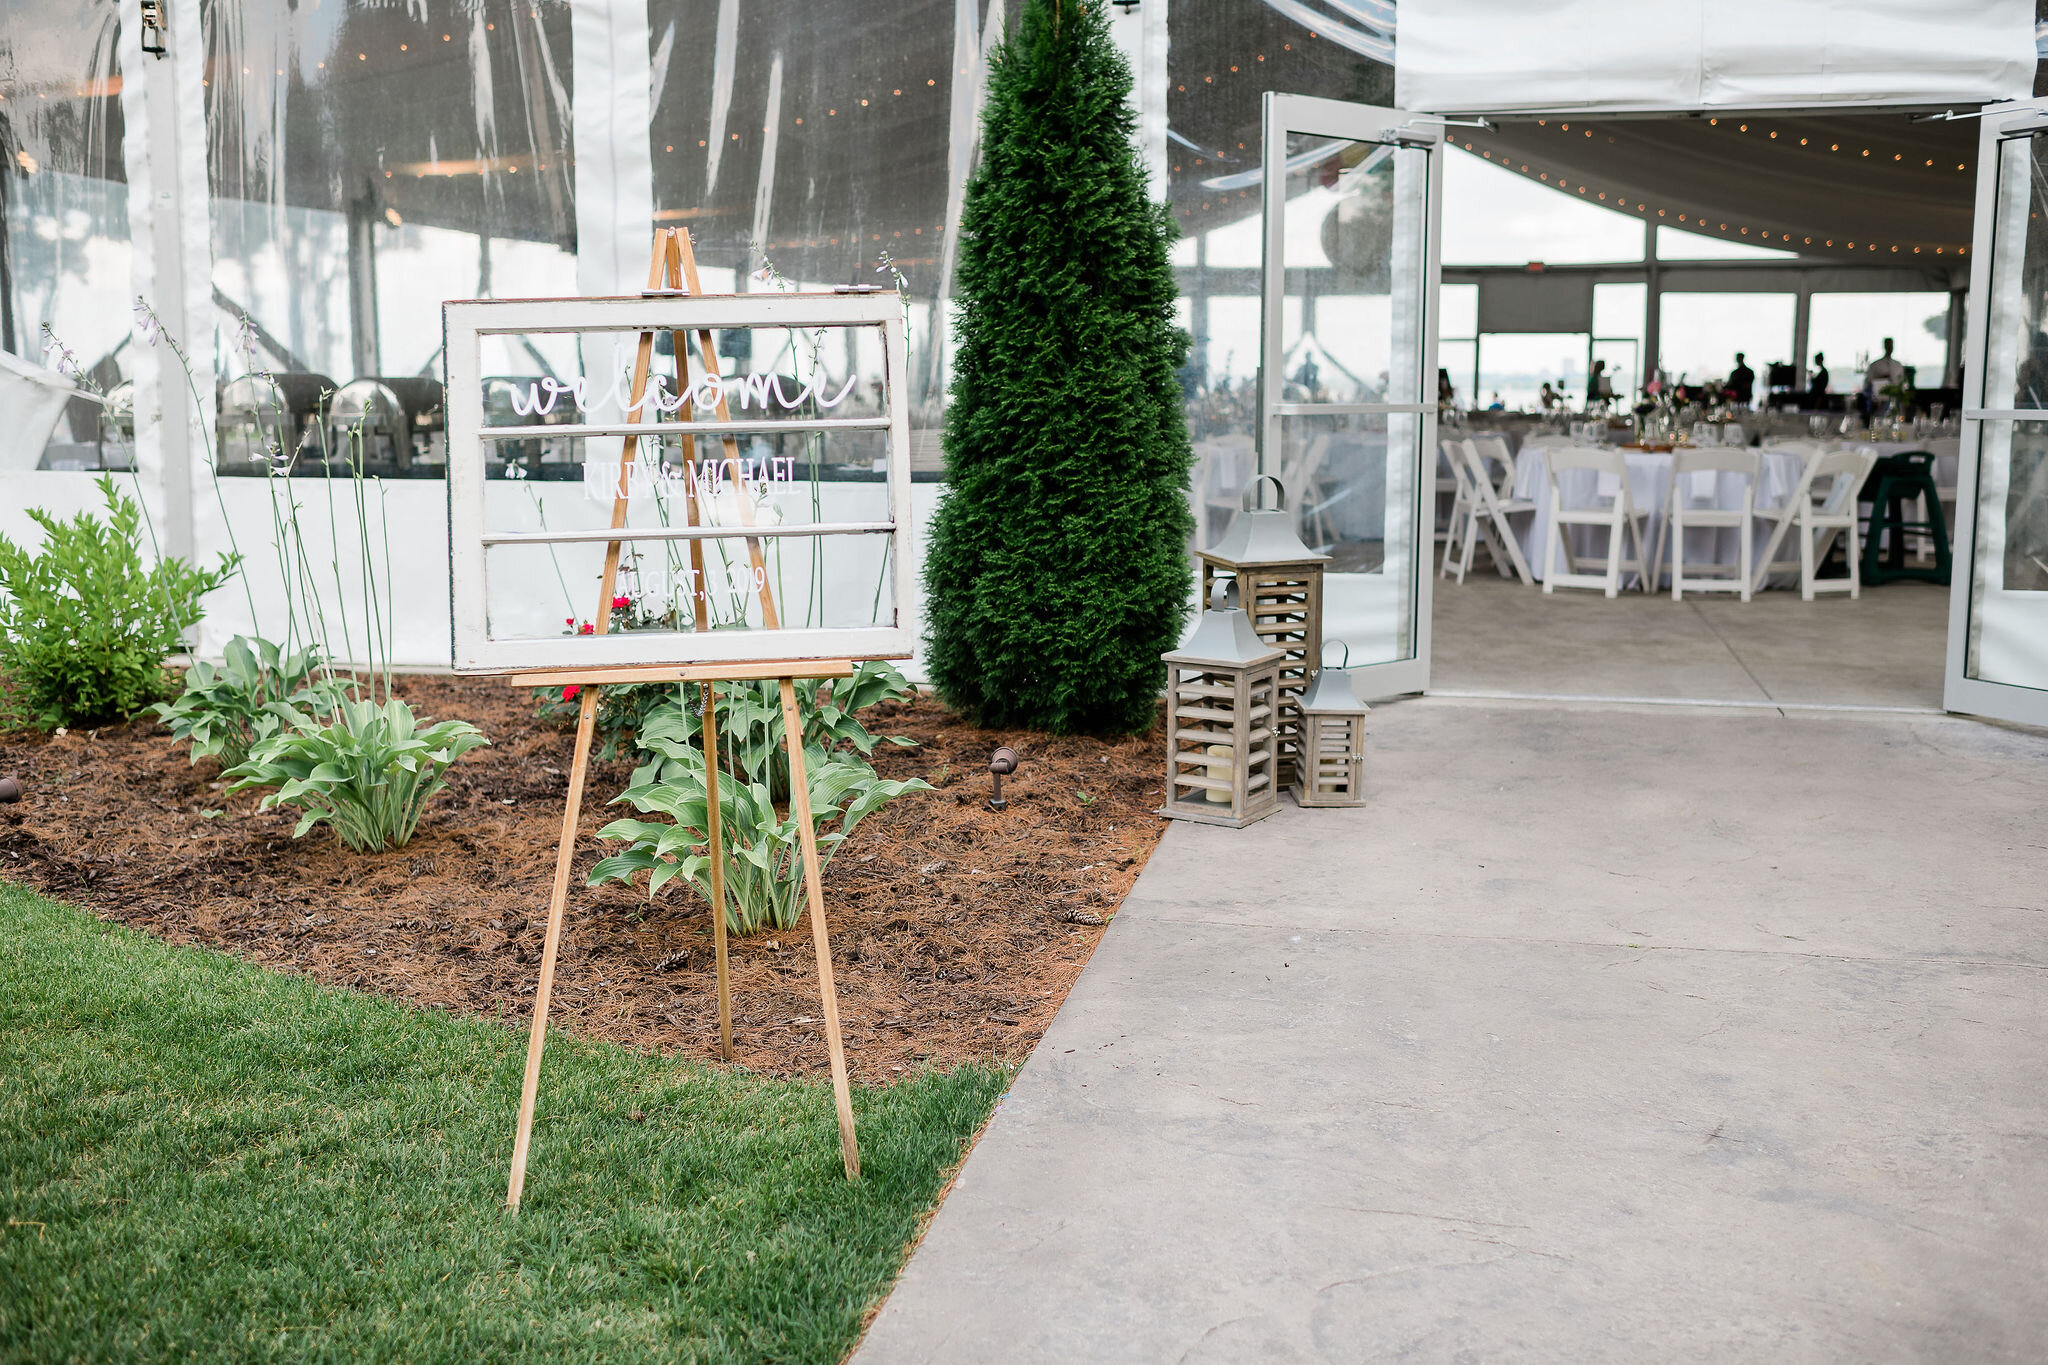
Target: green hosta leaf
[361, 768]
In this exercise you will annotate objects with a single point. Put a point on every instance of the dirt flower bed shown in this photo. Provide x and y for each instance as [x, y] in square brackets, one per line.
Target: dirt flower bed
[956, 930]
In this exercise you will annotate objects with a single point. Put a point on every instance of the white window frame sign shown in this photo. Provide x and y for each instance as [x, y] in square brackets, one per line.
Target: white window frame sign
[468, 322]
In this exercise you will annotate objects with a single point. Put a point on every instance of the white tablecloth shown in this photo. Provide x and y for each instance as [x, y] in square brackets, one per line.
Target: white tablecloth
[1947, 452]
[1649, 483]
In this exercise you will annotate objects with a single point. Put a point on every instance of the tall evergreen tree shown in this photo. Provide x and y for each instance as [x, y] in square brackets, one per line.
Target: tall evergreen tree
[1057, 571]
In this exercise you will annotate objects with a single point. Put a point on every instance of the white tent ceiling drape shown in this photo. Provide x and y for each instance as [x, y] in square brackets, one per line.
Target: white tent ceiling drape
[1484, 56]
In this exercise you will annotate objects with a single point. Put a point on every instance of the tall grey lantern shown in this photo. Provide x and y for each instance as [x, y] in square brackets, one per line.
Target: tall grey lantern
[1222, 707]
[1280, 584]
[1332, 767]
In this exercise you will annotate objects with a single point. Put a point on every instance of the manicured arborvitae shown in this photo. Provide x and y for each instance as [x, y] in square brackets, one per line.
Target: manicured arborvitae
[1057, 572]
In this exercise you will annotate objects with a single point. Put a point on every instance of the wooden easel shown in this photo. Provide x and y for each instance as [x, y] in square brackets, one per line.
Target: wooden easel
[673, 268]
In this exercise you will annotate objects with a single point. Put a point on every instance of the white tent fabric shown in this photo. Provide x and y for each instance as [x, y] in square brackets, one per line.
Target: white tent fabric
[1486, 56]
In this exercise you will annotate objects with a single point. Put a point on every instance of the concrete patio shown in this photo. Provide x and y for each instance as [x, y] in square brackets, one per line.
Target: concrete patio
[1602, 1033]
[1885, 648]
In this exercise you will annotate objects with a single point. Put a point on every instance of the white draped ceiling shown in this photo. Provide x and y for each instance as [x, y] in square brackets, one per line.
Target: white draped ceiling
[1484, 56]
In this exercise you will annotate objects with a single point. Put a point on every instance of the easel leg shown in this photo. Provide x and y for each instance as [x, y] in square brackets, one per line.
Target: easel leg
[800, 803]
[715, 817]
[565, 857]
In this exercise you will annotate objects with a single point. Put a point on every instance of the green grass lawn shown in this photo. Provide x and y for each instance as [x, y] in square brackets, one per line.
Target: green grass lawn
[202, 1160]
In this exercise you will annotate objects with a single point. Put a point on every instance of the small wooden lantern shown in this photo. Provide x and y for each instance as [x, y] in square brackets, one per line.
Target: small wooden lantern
[1332, 767]
[1222, 703]
[1280, 584]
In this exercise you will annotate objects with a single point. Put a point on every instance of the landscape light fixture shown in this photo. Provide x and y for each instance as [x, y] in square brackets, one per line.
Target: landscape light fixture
[1003, 760]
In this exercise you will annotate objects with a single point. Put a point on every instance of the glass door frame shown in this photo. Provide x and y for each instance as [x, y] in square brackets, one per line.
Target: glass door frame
[1284, 114]
[1960, 692]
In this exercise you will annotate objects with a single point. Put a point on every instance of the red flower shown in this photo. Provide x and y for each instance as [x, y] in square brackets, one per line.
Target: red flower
[568, 620]
[587, 629]
[621, 603]
[570, 692]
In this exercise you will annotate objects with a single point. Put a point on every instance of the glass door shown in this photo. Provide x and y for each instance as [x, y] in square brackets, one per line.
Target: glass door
[1347, 393]
[1998, 612]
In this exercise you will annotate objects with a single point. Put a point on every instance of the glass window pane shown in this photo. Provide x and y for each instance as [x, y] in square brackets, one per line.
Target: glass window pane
[1458, 361]
[2008, 634]
[1850, 329]
[1494, 216]
[1352, 250]
[368, 162]
[1676, 244]
[1457, 310]
[1350, 484]
[2016, 367]
[64, 260]
[1514, 367]
[1700, 333]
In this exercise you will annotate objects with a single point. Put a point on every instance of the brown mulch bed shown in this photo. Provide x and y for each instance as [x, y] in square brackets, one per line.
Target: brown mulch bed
[954, 928]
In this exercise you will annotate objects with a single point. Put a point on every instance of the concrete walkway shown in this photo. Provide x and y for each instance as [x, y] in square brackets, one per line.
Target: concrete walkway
[1601, 1034]
[1884, 649]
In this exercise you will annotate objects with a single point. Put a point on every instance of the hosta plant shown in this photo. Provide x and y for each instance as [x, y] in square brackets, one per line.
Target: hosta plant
[224, 710]
[750, 722]
[764, 869]
[368, 769]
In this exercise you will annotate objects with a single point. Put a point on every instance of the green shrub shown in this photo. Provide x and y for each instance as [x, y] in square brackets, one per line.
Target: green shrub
[1057, 571]
[369, 771]
[764, 876]
[86, 623]
[224, 710]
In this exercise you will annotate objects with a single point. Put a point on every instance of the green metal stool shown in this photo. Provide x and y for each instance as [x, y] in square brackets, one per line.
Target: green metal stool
[1894, 481]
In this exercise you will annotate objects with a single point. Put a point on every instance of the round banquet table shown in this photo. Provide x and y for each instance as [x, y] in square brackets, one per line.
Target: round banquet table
[1649, 483]
[1947, 452]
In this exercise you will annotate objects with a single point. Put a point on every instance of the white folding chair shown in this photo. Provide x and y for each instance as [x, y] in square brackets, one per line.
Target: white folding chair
[1617, 513]
[1497, 461]
[1448, 483]
[1820, 508]
[1682, 513]
[1494, 501]
[1462, 507]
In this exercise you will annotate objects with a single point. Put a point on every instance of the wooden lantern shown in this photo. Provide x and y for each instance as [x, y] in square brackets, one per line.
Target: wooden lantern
[1332, 767]
[1280, 586]
[1222, 704]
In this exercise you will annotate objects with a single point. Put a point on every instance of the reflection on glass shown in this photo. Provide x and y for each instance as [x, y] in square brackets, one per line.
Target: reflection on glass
[1350, 482]
[369, 161]
[64, 252]
[813, 582]
[2008, 634]
[1343, 246]
[2007, 640]
[2016, 365]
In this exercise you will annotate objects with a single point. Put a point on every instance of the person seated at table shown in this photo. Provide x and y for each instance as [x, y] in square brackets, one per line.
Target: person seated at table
[1446, 394]
[1496, 405]
[1818, 383]
[1741, 382]
[1548, 397]
[1883, 371]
